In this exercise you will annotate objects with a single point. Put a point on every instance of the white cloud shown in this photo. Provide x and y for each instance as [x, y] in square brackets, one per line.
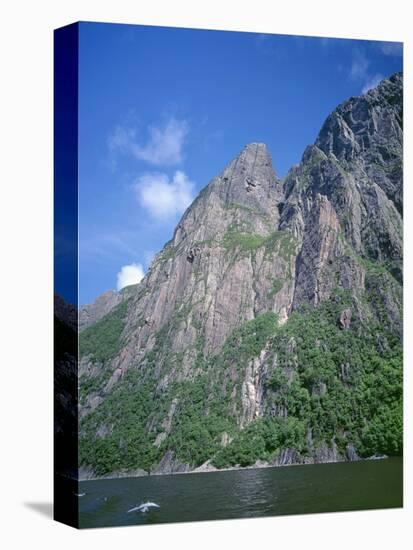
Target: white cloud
[359, 66]
[360, 72]
[130, 275]
[391, 48]
[121, 139]
[162, 197]
[163, 147]
[371, 83]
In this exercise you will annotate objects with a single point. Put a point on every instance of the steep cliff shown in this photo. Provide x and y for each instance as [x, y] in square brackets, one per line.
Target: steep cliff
[269, 327]
[65, 388]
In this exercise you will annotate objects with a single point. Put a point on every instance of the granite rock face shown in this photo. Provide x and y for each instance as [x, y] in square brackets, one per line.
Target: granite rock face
[253, 245]
[207, 267]
[92, 313]
[369, 130]
[345, 198]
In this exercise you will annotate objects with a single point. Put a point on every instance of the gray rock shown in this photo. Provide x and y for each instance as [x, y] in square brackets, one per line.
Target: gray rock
[351, 453]
[345, 319]
[253, 244]
[288, 457]
[91, 313]
[168, 465]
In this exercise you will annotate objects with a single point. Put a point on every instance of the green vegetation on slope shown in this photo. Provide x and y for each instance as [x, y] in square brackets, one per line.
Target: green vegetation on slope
[102, 340]
[344, 385]
[123, 414]
[262, 440]
[195, 436]
[321, 384]
[236, 239]
[247, 242]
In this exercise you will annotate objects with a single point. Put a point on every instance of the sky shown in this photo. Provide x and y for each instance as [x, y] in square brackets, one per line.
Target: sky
[164, 110]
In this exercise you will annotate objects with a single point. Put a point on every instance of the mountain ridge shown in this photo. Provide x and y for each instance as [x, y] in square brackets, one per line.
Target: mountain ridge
[208, 350]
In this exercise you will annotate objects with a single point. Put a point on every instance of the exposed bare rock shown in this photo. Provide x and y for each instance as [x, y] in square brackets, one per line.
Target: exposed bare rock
[167, 423]
[206, 467]
[345, 319]
[325, 453]
[90, 314]
[287, 457]
[252, 389]
[351, 453]
[168, 465]
[369, 129]
[103, 431]
[187, 355]
[116, 376]
[85, 473]
[319, 250]
[225, 439]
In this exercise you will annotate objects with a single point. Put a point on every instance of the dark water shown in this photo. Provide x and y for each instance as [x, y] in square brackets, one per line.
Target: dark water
[244, 493]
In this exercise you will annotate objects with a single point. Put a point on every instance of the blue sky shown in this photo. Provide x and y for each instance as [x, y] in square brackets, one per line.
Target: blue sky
[163, 110]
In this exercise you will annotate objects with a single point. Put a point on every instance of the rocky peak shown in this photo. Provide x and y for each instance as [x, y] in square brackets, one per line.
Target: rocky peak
[253, 162]
[355, 167]
[360, 122]
[246, 253]
[368, 131]
[250, 178]
[246, 194]
[227, 234]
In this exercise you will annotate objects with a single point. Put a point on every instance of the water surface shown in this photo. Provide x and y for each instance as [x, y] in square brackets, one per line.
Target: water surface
[250, 493]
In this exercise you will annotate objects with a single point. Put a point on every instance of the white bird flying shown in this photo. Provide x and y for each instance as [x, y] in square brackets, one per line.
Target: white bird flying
[143, 507]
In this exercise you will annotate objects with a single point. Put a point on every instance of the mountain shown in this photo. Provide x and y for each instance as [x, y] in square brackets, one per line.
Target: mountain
[91, 313]
[268, 330]
[65, 390]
